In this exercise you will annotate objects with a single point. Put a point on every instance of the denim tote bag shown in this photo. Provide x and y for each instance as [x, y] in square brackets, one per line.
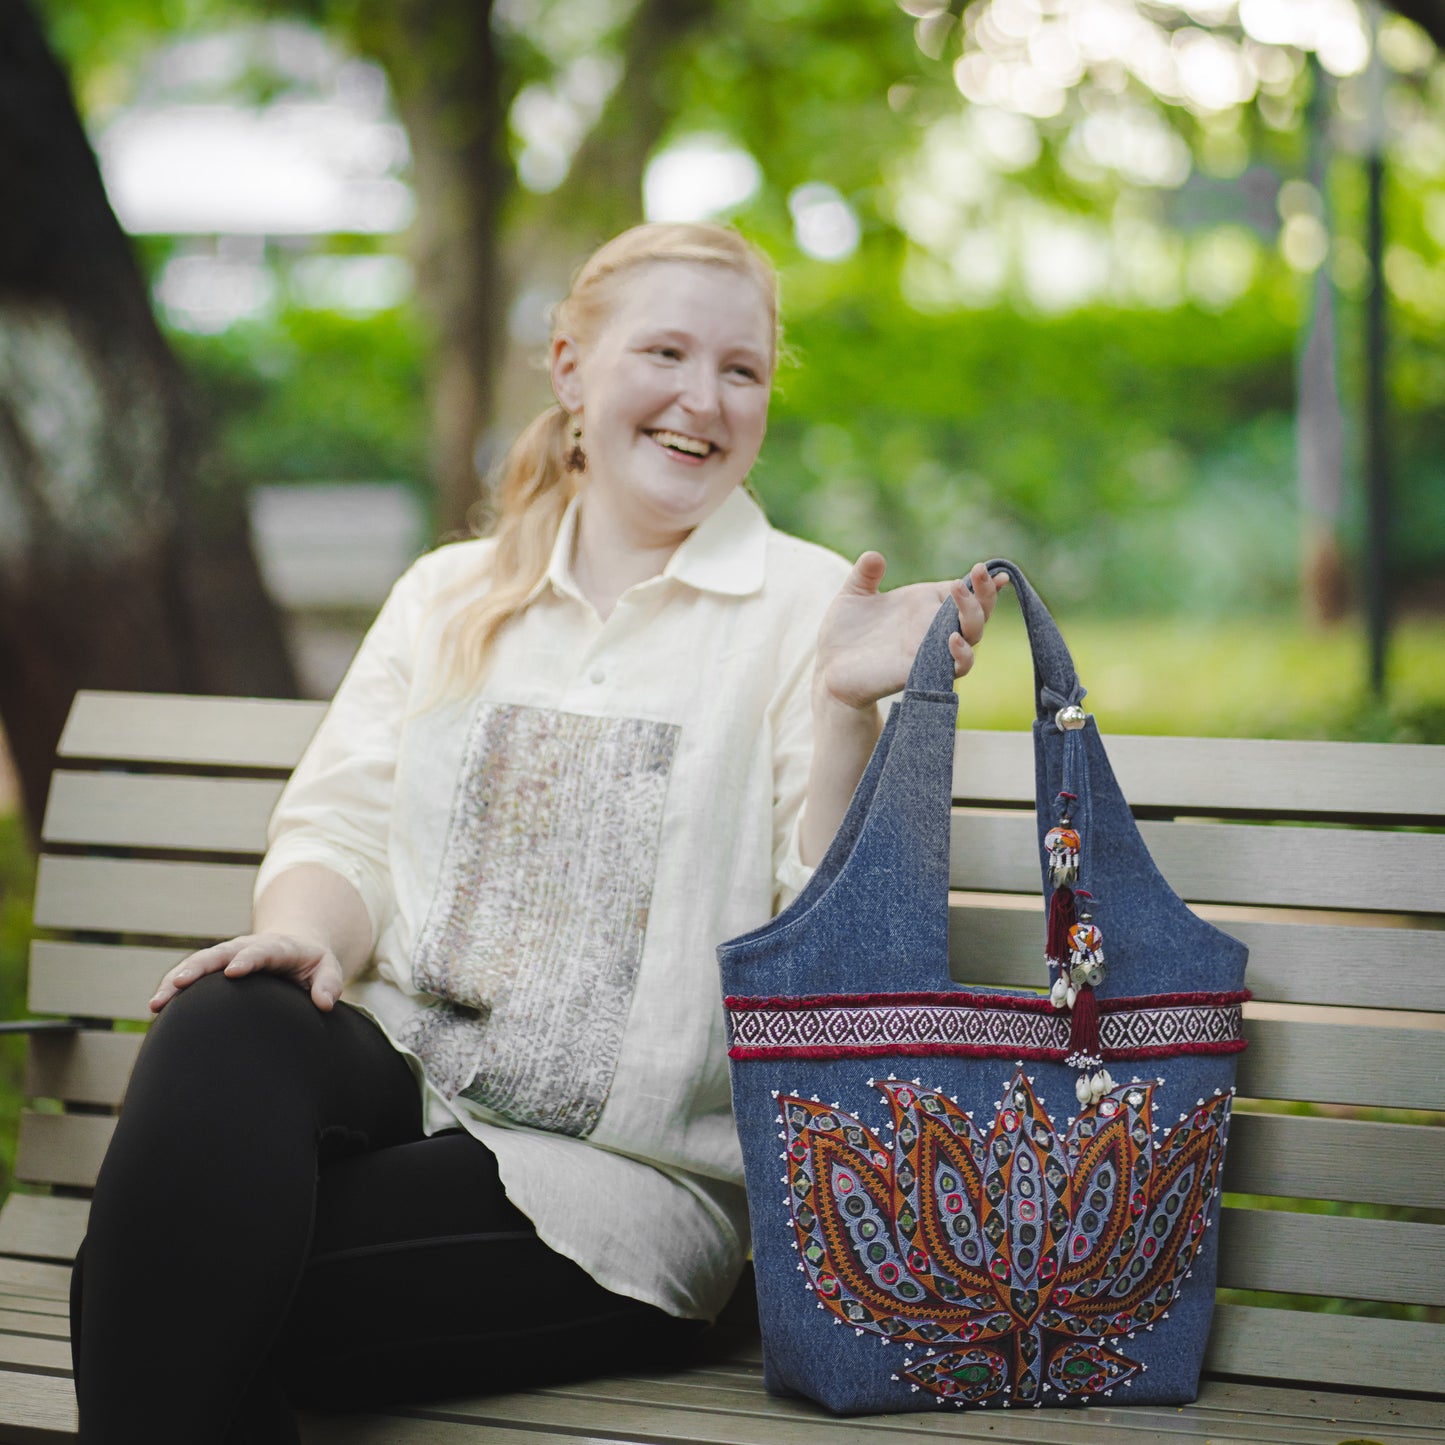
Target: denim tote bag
[984, 1197]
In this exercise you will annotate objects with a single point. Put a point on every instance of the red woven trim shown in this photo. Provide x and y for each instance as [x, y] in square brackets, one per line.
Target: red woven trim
[979, 1051]
[913, 1051]
[1025, 1003]
[1232, 1046]
[1174, 1000]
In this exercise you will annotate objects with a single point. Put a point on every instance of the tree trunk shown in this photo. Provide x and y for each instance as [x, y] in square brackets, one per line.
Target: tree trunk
[116, 570]
[450, 92]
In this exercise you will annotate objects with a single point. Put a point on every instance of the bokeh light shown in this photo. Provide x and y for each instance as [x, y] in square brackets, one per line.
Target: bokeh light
[697, 178]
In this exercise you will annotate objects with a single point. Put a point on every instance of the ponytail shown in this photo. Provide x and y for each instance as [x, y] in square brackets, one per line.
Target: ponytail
[533, 493]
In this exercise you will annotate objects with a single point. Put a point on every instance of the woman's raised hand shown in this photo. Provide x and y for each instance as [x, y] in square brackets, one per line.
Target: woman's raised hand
[868, 638]
[310, 965]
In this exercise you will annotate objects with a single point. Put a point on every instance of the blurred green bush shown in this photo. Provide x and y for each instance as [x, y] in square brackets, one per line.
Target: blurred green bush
[1135, 462]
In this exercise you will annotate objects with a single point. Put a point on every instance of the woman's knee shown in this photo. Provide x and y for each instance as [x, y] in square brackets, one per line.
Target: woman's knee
[230, 1030]
[232, 1011]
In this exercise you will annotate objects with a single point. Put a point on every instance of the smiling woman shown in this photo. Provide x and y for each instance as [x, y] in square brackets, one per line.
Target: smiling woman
[569, 760]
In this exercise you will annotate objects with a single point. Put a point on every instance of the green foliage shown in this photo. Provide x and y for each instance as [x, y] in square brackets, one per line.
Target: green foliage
[314, 396]
[17, 888]
[1140, 459]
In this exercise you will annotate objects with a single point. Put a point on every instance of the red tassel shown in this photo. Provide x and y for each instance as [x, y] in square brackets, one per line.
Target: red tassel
[1062, 917]
[1084, 1028]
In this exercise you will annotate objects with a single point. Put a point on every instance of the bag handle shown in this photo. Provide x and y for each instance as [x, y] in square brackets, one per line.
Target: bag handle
[1056, 683]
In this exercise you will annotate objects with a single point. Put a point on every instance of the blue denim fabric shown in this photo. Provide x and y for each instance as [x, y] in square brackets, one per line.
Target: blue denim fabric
[874, 920]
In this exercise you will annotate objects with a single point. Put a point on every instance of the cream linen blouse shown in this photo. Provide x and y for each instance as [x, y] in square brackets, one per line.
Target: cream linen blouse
[550, 863]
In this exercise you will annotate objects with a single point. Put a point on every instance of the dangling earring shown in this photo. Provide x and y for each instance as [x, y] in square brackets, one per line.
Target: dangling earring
[576, 459]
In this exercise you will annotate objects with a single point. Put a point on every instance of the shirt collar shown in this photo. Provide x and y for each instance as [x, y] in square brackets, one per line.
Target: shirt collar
[726, 554]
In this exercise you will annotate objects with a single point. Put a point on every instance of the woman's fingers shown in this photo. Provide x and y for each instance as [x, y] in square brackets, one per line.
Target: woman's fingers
[962, 655]
[313, 967]
[975, 600]
[326, 983]
[187, 971]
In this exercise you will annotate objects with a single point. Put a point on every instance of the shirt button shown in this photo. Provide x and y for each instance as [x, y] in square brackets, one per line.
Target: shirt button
[598, 675]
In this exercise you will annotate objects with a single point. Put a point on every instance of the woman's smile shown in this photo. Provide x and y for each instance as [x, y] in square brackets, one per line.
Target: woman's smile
[692, 450]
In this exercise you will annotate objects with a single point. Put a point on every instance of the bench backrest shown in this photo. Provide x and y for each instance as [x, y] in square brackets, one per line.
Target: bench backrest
[1333, 1249]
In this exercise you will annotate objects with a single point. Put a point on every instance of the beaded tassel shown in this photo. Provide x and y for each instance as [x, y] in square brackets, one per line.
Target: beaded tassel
[1086, 969]
[1073, 944]
[1062, 844]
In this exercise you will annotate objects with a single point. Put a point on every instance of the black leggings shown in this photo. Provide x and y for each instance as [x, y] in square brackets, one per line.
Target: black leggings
[271, 1227]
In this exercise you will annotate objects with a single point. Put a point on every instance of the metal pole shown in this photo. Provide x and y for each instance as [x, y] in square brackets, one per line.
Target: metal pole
[1377, 406]
[1319, 428]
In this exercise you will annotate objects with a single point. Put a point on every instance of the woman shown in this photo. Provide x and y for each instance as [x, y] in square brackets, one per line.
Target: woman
[569, 760]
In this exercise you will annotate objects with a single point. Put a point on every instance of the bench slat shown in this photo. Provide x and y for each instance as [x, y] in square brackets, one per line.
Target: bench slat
[159, 728]
[1341, 1064]
[671, 1410]
[42, 1226]
[1390, 968]
[190, 900]
[27, 1352]
[213, 899]
[1205, 774]
[27, 1322]
[1270, 866]
[86, 1067]
[93, 980]
[62, 1148]
[1333, 1256]
[413, 1430]
[1336, 1350]
[26, 1277]
[1223, 1411]
[36, 1408]
[1229, 863]
[1393, 968]
[1291, 1157]
[1226, 1412]
[148, 810]
[13, 1297]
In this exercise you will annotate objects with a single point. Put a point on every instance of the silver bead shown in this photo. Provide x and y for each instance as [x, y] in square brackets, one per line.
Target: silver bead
[1070, 719]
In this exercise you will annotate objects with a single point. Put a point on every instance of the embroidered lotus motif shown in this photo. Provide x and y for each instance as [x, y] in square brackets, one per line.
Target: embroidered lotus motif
[1011, 1261]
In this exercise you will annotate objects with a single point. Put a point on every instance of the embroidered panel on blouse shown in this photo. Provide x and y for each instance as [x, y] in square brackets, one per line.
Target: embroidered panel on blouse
[534, 935]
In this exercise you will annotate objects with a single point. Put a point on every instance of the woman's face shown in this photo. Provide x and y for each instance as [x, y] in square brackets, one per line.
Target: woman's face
[672, 393]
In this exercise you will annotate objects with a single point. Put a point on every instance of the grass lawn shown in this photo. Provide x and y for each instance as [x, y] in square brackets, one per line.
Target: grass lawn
[1257, 677]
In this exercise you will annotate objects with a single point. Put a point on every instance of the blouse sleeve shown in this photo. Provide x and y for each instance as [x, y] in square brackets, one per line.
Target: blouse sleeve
[336, 809]
[792, 730]
[791, 716]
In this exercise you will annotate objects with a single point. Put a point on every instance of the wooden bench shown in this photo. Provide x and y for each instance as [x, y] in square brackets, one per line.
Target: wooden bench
[1336, 1165]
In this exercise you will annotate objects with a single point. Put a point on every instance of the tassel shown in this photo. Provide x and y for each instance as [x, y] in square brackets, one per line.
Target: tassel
[1084, 1029]
[1061, 843]
[1085, 972]
[1062, 917]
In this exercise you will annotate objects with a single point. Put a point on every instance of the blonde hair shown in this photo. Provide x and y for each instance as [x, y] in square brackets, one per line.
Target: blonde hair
[533, 486]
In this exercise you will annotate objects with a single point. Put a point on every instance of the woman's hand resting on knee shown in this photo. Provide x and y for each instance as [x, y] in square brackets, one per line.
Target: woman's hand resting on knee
[313, 967]
[310, 926]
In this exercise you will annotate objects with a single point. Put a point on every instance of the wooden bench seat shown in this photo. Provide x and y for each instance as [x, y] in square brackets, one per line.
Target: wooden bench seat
[1331, 1322]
